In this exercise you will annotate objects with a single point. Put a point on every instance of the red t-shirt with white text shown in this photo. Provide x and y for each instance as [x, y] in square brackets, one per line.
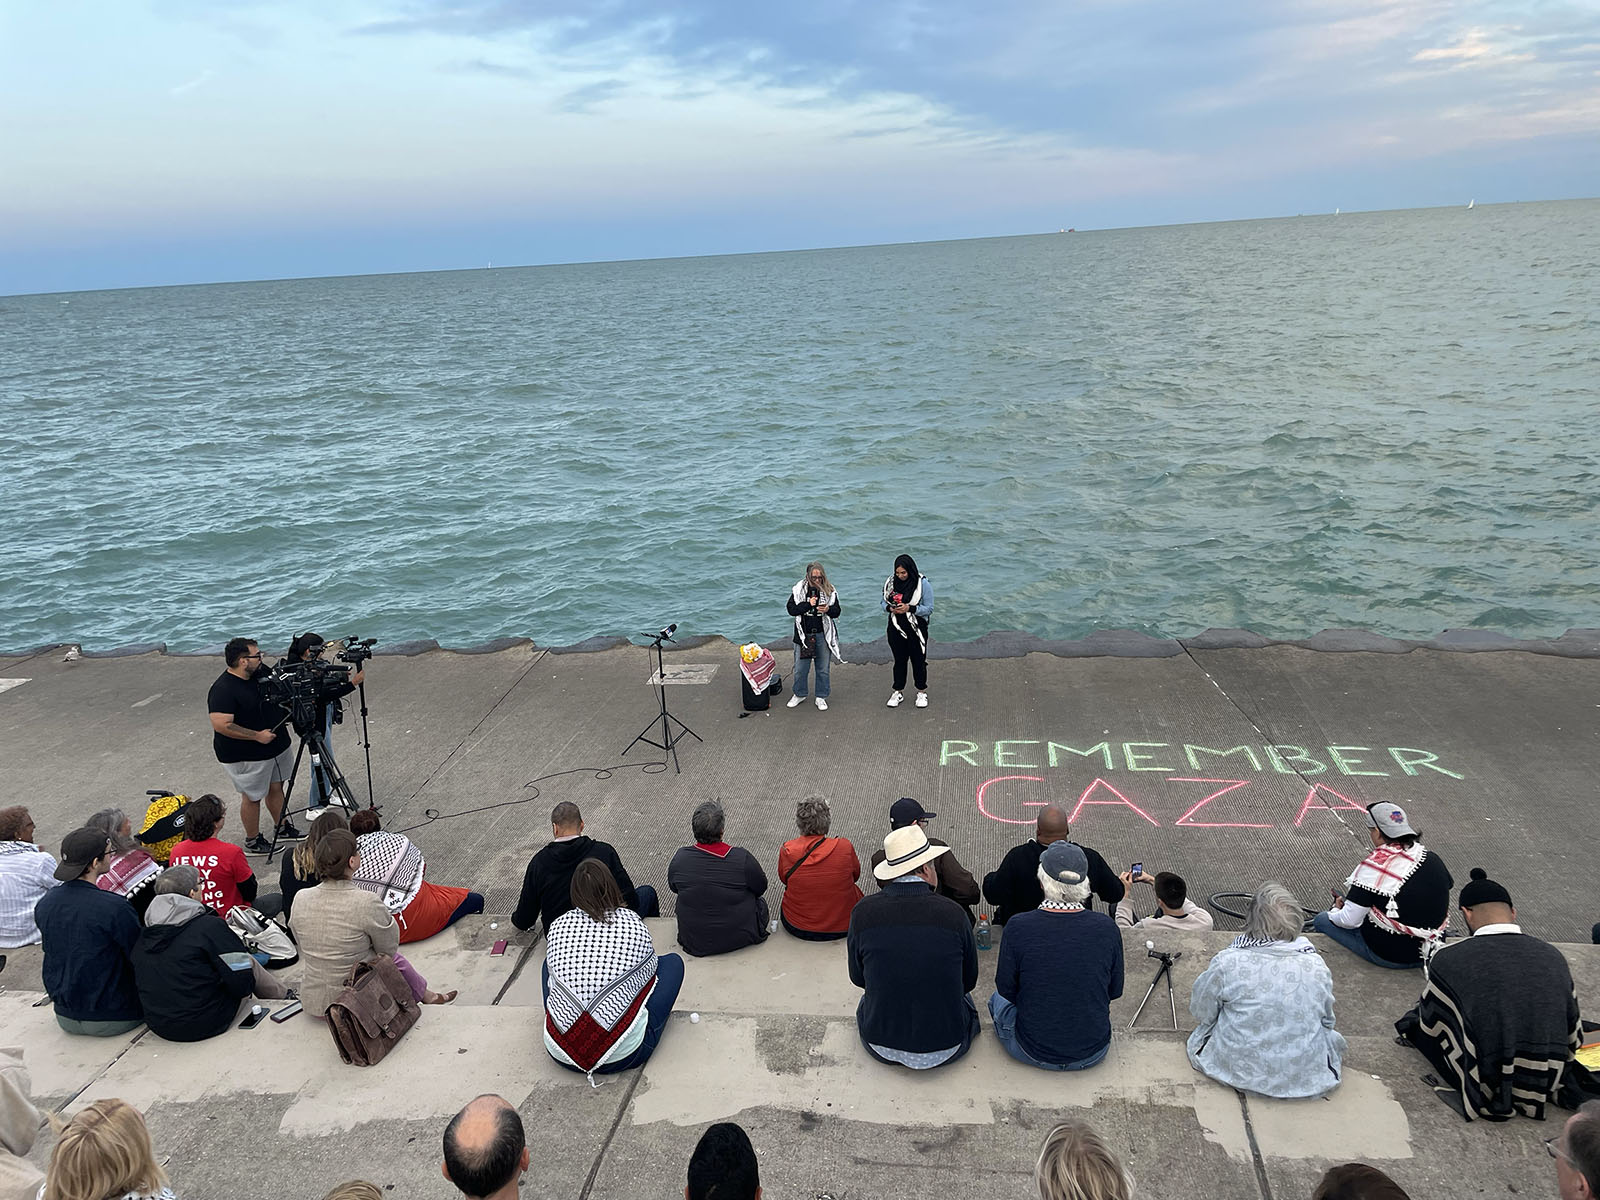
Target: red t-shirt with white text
[222, 868]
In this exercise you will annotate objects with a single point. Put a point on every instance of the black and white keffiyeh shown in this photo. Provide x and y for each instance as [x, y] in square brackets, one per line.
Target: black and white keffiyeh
[830, 633]
[391, 868]
[906, 624]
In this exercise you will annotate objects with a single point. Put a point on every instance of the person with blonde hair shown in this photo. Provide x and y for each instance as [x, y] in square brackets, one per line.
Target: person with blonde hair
[104, 1153]
[819, 876]
[355, 1189]
[299, 870]
[1076, 1164]
[814, 605]
[1263, 1007]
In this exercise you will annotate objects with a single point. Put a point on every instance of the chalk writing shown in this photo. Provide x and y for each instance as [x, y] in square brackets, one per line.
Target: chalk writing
[1281, 758]
[994, 795]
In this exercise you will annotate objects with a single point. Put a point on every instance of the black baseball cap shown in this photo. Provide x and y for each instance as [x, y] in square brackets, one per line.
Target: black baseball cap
[78, 849]
[906, 811]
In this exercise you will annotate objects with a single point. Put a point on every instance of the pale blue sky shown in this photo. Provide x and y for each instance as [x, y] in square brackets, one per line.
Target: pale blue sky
[165, 141]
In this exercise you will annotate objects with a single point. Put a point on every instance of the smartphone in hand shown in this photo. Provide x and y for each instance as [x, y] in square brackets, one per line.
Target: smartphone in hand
[1138, 870]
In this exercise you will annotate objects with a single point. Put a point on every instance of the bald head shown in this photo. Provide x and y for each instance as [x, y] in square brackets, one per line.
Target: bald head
[484, 1149]
[1052, 826]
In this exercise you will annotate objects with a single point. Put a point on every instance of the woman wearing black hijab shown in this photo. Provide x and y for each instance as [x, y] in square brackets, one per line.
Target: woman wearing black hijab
[908, 599]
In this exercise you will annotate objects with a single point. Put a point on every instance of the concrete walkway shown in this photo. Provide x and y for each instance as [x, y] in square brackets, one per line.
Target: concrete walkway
[1492, 752]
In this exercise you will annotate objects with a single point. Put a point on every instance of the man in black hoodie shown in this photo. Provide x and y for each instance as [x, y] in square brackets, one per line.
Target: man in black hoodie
[547, 884]
[190, 968]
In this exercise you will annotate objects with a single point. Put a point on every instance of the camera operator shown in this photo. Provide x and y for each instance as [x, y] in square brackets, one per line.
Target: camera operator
[306, 648]
[251, 743]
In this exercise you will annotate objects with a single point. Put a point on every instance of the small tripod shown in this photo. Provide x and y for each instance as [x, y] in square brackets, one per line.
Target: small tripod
[670, 737]
[1167, 959]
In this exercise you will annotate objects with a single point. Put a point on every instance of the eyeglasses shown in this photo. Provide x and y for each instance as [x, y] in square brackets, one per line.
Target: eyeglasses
[257, 654]
[1555, 1151]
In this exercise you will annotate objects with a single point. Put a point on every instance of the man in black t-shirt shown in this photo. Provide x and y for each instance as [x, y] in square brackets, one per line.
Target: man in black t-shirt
[251, 742]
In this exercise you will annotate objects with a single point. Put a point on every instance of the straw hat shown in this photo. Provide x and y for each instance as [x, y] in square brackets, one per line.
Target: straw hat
[904, 850]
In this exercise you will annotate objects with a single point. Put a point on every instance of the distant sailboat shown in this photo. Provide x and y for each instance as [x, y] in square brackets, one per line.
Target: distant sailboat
[1336, 212]
[1470, 203]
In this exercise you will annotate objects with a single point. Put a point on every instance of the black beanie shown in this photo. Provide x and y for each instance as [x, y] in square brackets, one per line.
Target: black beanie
[1483, 890]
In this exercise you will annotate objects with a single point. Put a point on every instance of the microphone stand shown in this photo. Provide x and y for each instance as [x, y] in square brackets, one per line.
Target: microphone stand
[670, 737]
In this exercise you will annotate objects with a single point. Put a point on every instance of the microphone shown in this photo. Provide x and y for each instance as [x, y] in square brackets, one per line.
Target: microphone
[669, 630]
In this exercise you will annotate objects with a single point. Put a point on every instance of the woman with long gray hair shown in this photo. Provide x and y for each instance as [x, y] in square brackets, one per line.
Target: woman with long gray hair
[132, 873]
[1264, 1007]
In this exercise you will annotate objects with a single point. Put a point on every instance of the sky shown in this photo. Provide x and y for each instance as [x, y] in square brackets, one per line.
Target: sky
[147, 142]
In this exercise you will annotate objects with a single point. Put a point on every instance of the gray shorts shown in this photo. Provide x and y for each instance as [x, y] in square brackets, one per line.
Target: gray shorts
[254, 779]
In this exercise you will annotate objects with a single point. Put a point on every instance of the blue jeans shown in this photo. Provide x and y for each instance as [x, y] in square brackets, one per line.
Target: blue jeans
[1352, 940]
[802, 670]
[669, 980]
[649, 903]
[1003, 1014]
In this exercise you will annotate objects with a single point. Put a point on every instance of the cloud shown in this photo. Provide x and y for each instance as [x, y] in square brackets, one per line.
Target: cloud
[184, 89]
[1472, 48]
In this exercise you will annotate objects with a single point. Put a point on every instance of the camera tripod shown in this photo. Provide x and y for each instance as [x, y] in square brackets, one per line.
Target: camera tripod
[327, 780]
[670, 737]
[1167, 959]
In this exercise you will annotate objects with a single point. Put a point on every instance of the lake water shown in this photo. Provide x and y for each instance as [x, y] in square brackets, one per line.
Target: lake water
[1385, 421]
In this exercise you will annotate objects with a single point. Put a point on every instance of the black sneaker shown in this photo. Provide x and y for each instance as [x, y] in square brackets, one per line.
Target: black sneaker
[257, 847]
[288, 833]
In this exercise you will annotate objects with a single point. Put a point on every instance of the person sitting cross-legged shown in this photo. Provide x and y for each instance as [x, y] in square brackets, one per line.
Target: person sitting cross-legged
[1060, 968]
[607, 994]
[192, 971]
[1174, 909]
[1264, 1007]
[1498, 1017]
[721, 889]
[88, 936]
[911, 952]
[1398, 903]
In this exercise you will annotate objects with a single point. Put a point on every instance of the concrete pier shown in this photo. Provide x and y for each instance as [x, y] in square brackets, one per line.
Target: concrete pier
[1225, 764]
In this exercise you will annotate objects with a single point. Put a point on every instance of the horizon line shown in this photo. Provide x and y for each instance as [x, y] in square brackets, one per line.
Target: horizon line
[779, 250]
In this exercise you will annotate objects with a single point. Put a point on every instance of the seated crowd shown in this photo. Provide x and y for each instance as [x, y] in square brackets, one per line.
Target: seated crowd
[1497, 1018]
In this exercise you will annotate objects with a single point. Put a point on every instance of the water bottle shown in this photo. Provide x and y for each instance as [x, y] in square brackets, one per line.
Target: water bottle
[983, 931]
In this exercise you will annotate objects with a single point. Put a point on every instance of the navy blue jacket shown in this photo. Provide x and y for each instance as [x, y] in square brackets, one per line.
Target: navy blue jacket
[1061, 970]
[912, 950]
[88, 935]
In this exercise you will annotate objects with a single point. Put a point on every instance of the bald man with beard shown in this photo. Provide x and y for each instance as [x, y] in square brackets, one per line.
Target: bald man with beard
[1014, 886]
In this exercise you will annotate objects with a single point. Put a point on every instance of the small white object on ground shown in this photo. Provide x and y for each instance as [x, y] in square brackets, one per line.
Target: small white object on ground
[1149, 945]
[694, 1018]
[494, 924]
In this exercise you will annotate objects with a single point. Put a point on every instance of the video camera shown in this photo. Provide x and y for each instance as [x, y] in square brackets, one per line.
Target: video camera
[302, 688]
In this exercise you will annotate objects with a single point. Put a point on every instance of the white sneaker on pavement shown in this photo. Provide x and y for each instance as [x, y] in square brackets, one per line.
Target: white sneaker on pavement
[822, 704]
[895, 699]
[796, 701]
[922, 699]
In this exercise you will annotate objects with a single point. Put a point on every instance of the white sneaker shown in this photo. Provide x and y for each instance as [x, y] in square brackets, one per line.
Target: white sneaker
[822, 704]
[796, 701]
[895, 699]
[922, 699]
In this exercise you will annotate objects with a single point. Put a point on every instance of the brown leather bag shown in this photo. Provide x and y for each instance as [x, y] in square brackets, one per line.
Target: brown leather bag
[374, 1010]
